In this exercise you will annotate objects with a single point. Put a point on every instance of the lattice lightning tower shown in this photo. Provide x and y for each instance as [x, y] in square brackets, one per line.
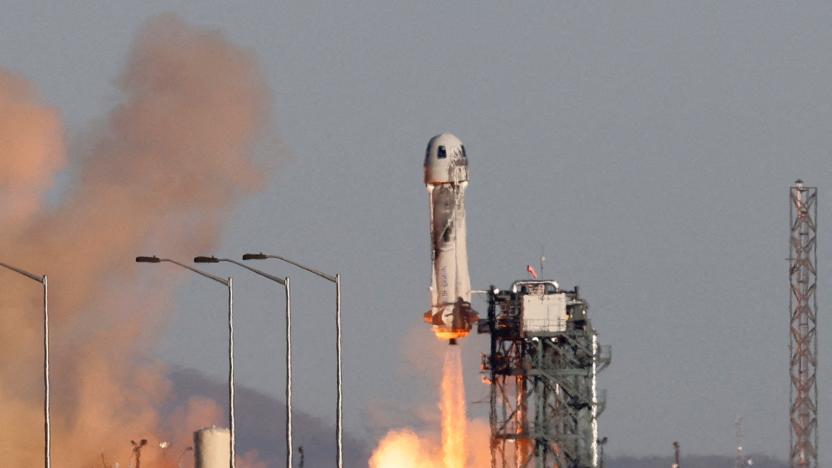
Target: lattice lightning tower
[803, 345]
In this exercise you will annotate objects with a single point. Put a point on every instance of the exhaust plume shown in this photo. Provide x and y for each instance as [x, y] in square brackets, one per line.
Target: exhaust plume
[452, 405]
[460, 444]
[160, 174]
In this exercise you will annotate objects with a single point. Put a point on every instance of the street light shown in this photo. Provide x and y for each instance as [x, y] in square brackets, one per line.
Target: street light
[285, 283]
[601, 443]
[184, 451]
[339, 422]
[47, 442]
[137, 451]
[229, 284]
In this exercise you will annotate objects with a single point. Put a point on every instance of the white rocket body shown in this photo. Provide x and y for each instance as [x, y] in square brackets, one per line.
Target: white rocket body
[446, 177]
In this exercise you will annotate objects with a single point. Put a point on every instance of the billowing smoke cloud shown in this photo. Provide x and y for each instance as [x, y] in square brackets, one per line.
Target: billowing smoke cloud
[31, 149]
[406, 448]
[161, 174]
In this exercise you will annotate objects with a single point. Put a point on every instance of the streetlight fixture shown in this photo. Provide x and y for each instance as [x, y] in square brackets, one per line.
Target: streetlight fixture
[137, 451]
[184, 451]
[285, 283]
[47, 442]
[228, 283]
[601, 443]
[336, 279]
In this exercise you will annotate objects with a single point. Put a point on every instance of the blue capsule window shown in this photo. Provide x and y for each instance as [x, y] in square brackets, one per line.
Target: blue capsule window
[440, 153]
[463, 152]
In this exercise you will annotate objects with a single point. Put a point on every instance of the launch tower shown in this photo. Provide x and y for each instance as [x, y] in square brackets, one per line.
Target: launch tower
[803, 345]
[542, 368]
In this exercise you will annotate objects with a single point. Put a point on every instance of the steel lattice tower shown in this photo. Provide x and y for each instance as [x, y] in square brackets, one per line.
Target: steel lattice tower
[543, 367]
[803, 345]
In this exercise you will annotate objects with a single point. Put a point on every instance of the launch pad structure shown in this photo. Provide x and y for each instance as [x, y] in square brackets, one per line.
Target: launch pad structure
[542, 368]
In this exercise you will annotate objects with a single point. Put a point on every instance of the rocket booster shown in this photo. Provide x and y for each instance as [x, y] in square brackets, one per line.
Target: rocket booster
[446, 177]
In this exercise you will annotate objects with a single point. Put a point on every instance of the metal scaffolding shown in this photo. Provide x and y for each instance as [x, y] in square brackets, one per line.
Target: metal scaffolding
[542, 368]
[803, 345]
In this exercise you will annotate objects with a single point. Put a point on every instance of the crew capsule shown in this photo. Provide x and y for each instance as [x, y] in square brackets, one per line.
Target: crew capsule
[445, 160]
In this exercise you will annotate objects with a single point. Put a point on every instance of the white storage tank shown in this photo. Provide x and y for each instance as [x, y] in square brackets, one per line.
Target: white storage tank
[212, 448]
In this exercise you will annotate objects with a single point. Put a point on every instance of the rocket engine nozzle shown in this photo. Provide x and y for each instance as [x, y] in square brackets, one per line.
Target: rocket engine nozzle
[452, 321]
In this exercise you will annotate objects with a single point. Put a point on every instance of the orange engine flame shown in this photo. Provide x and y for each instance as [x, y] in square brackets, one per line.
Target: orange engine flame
[449, 335]
[452, 406]
[406, 449]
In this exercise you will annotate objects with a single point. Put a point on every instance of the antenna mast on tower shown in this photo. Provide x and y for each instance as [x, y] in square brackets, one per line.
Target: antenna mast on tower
[741, 460]
[803, 345]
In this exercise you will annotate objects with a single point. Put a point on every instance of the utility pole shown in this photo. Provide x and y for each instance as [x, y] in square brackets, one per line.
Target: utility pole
[675, 454]
[739, 460]
[803, 345]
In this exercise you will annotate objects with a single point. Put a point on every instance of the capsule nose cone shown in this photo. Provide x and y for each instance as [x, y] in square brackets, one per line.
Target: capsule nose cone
[445, 138]
[445, 160]
[442, 148]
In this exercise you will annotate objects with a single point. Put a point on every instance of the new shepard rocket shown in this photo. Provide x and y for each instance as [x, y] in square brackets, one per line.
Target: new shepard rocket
[446, 176]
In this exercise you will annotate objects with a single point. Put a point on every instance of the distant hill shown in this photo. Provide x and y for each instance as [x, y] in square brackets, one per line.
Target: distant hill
[261, 424]
[691, 461]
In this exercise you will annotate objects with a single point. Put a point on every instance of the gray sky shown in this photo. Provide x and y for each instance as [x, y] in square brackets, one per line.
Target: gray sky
[647, 145]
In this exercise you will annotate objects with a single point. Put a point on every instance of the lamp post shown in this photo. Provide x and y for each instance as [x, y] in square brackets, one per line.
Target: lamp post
[228, 283]
[184, 451]
[47, 442]
[601, 443]
[285, 283]
[137, 451]
[339, 420]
